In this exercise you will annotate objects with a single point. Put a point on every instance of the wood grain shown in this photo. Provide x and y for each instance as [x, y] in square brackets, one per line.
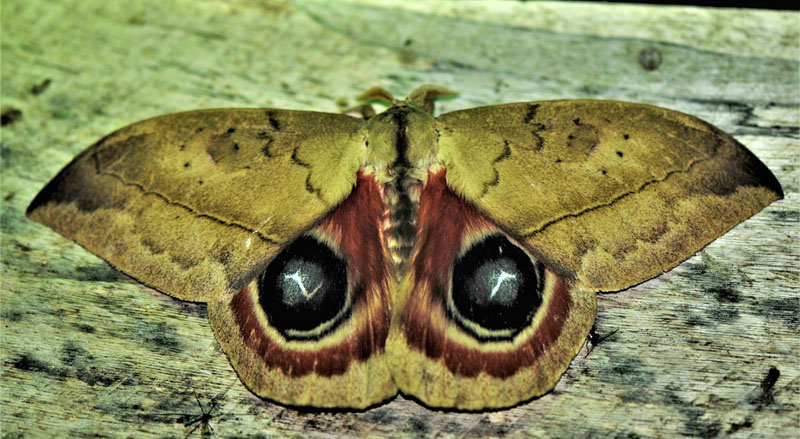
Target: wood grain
[88, 352]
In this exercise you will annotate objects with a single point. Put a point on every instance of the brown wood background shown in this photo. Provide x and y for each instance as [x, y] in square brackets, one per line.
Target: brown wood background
[87, 352]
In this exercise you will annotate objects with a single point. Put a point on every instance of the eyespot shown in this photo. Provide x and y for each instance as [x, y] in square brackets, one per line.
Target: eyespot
[304, 290]
[496, 289]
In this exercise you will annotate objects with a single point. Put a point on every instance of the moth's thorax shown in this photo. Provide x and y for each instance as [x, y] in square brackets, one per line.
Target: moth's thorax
[402, 144]
[401, 137]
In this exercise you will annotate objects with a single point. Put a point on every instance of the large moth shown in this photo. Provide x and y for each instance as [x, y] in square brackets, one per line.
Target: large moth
[455, 258]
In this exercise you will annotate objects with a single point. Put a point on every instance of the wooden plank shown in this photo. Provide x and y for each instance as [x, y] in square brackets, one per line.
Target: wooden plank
[89, 352]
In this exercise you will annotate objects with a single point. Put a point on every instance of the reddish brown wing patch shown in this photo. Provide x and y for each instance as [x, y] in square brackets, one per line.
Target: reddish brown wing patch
[444, 362]
[343, 366]
[461, 360]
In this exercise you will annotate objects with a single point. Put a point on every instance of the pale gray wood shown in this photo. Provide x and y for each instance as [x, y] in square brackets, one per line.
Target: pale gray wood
[89, 352]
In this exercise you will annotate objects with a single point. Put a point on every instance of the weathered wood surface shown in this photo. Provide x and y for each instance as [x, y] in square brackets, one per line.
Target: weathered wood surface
[89, 352]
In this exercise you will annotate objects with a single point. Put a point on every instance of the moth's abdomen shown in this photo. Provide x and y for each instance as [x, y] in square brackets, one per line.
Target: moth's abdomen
[401, 199]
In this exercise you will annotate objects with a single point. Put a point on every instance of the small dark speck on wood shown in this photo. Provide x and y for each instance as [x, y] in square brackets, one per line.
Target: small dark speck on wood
[595, 339]
[650, 58]
[766, 395]
[769, 381]
[10, 116]
[39, 88]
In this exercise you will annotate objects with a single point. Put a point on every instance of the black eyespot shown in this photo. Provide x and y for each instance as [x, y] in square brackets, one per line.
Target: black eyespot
[496, 289]
[303, 291]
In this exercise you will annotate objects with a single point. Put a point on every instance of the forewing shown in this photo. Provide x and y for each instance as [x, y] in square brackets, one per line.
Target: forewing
[608, 194]
[195, 204]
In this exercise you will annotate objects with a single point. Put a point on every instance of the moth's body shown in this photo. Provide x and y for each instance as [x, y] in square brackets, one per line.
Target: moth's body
[402, 152]
[453, 258]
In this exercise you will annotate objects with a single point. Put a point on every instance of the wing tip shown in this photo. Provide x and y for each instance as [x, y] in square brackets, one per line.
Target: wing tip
[40, 199]
[763, 175]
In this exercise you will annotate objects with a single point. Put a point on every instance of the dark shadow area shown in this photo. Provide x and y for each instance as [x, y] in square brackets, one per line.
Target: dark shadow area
[720, 4]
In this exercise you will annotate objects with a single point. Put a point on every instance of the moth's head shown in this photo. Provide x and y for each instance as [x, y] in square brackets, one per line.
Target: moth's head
[404, 136]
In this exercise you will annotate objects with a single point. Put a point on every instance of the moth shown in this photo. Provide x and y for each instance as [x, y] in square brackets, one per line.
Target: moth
[455, 259]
